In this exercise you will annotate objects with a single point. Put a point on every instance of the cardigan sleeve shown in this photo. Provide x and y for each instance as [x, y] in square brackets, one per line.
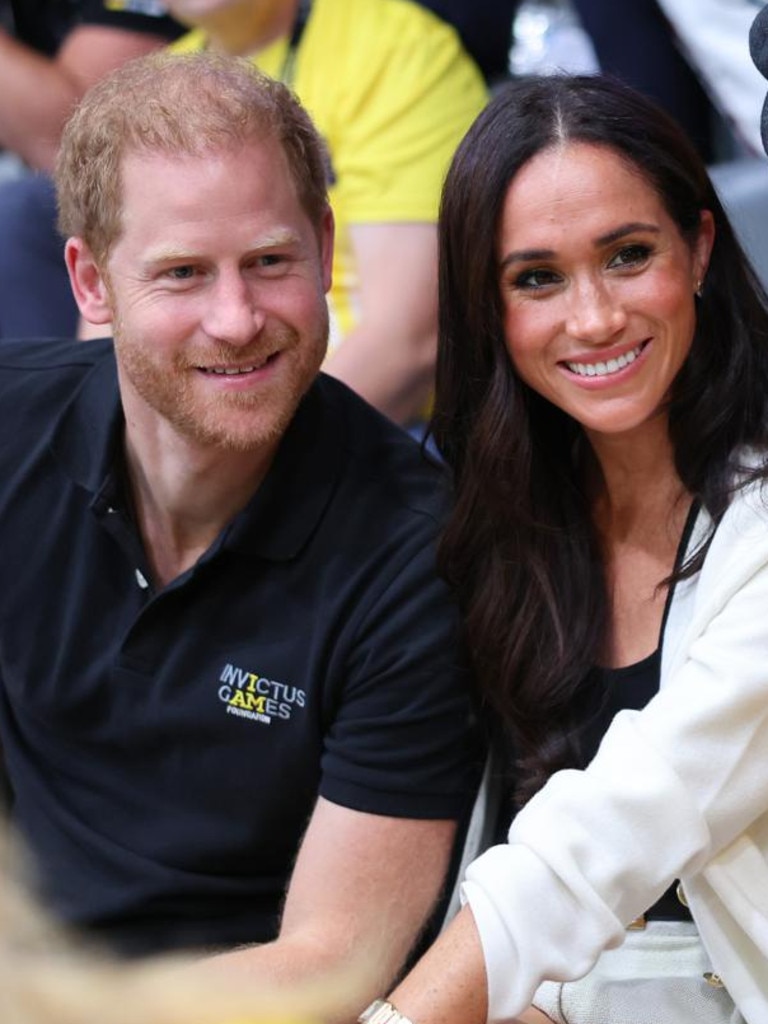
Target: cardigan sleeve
[670, 788]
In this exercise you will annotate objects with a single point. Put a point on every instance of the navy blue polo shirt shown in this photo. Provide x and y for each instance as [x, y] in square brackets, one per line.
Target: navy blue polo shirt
[165, 748]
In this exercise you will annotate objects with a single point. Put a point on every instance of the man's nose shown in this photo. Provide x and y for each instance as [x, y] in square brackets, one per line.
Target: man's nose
[233, 315]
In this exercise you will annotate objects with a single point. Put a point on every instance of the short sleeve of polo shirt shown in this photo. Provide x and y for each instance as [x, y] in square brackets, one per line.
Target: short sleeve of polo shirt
[401, 740]
[137, 15]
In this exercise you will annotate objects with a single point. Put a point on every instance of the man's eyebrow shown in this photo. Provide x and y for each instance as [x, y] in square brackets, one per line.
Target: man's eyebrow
[531, 255]
[174, 254]
[283, 237]
[170, 256]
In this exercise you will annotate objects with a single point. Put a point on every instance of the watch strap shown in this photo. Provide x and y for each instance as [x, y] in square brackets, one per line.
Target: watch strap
[381, 1011]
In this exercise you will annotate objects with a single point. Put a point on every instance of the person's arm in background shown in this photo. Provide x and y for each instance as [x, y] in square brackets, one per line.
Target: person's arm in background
[397, 123]
[37, 92]
[389, 356]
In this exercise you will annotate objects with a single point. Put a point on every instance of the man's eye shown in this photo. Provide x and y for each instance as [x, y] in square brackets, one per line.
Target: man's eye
[630, 256]
[181, 273]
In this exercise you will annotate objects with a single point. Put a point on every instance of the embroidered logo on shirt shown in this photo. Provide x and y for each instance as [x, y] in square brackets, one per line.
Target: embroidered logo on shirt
[249, 695]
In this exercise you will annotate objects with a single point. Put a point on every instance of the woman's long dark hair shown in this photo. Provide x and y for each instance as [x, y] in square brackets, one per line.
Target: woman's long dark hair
[520, 548]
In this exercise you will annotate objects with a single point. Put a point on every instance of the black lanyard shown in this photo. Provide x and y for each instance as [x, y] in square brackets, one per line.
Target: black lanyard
[300, 23]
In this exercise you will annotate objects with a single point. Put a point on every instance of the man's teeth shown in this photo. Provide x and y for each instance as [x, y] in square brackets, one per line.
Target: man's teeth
[233, 371]
[606, 368]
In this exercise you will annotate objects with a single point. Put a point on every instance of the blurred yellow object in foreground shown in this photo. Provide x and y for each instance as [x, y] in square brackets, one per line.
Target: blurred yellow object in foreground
[48, 976]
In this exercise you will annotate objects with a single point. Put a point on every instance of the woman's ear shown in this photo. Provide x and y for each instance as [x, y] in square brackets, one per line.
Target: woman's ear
[702, 249]
[89, 284]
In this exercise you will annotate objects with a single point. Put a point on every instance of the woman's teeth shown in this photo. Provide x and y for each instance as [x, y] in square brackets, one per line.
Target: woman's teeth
[604, 369]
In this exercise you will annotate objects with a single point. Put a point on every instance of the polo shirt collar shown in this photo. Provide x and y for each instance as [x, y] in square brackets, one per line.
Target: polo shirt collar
[284, 511]
[88, 435]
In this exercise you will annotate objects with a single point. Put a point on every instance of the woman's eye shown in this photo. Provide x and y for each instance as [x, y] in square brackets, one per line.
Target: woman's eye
[531, 280]
[630, 256]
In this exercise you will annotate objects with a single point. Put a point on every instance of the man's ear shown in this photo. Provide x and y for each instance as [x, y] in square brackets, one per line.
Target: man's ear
[327, 233]
[89, 285]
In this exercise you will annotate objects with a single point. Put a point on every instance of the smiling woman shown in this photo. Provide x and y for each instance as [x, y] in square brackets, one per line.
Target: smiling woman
[597, 287]
[602, 397]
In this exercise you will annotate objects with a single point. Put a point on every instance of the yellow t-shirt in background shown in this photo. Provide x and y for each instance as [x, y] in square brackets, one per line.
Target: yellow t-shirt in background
[392, 90]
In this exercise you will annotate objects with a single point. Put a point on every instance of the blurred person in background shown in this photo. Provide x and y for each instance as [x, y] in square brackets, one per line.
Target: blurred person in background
[635, 43]
[692, 57]
[58, 49]
[758, 50]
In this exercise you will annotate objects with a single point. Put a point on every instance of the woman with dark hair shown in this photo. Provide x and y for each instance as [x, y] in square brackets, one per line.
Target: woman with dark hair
[602, 398]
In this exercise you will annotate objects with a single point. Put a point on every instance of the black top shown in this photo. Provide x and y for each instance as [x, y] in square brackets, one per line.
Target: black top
[632, 686]
[166, 747]
[607, 691]
[604, 693]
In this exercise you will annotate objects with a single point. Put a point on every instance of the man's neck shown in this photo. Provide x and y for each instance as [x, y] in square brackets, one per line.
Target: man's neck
[245, 28]
[184, 495]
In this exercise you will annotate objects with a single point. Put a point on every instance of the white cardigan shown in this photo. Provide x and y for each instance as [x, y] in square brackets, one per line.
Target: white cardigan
[677, 790]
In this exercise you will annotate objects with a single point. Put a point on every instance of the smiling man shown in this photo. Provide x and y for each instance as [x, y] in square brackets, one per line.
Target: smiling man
[232, 706]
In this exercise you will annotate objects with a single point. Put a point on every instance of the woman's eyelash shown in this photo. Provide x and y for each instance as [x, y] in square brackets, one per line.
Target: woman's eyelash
[538, 277]
[628, 255]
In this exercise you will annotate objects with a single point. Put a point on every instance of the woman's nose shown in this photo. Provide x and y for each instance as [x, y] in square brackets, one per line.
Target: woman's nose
[595, 315]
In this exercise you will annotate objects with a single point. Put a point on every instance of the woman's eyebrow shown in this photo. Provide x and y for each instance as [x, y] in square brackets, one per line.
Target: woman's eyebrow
[626, 229]
[527, 255]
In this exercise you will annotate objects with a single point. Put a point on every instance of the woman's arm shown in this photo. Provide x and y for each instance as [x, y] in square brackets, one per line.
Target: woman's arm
[670, 790]
[448, 985]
